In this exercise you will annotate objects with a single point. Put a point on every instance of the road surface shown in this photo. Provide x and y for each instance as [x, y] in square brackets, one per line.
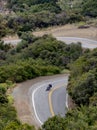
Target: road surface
[49, 103]
[13, 42]
[86, 43]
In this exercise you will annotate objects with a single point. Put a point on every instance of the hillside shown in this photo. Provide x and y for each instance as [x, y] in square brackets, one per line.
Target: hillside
[89, 8]
[21, 16]
[44, 56]
[82, 88]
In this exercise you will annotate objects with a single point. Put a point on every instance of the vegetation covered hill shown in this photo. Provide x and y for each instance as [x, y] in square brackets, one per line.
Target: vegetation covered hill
[82, 88]
[19, 3]
[89, 8]
[29, 15]
[46, 56]
[37, 56]
[84, 72]
[40, 56]
[8, 115]
[31, 58]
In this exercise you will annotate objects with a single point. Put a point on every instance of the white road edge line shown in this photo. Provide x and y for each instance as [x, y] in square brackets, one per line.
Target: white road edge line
[67, 100]
[34, 104]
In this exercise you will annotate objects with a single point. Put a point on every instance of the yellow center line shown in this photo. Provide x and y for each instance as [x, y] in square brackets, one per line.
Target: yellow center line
[50, 101]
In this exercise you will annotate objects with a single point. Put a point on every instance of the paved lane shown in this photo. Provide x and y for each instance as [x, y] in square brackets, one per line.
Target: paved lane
[41, 104]
[86, 43]
[13, 42]
[40, 98]
[59, 101]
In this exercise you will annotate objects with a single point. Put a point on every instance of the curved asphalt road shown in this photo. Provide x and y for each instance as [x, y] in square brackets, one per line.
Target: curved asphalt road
[59, 101]
[49, 103]
[86, 43]
[13, 42]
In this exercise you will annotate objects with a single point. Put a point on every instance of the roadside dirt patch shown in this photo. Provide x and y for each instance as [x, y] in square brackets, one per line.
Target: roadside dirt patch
[69, 30]
[10, 37]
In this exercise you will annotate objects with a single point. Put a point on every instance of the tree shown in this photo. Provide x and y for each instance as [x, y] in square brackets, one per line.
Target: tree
[89, 8]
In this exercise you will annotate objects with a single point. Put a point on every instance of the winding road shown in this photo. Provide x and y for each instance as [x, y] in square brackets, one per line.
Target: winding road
[34, 104]
[86, 43]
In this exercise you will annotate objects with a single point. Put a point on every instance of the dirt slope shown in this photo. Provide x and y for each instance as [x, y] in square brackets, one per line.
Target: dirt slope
[69, 30]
